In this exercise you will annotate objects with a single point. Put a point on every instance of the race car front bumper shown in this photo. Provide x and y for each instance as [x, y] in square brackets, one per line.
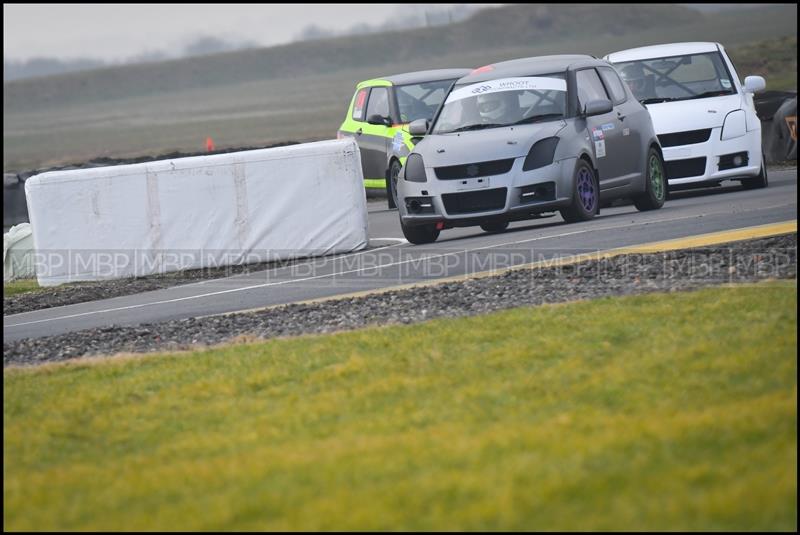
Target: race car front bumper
[514, 195]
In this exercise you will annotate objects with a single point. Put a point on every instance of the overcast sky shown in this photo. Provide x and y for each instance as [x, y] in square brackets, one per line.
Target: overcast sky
[118, 31]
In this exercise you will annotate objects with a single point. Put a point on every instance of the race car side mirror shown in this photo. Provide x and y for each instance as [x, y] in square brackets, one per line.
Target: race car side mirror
[597, 107]
[379, 119]
[418, 127]
[754, 84]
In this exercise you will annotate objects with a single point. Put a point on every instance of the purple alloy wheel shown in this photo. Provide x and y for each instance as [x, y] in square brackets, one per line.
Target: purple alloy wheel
[586, 190]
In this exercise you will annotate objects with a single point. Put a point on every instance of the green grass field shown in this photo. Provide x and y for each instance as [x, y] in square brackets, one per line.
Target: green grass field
[301, 92]
[669, 412]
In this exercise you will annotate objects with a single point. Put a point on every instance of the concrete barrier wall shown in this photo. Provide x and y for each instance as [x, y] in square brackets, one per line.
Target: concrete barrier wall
[205, 211]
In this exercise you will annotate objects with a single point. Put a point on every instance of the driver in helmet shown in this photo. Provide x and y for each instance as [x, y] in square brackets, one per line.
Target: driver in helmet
[635, 78]
[501, 107]
[411, 108]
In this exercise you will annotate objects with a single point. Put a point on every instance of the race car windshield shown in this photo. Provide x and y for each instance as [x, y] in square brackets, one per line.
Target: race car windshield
[503, 102]
[686, 77]
[420, 101]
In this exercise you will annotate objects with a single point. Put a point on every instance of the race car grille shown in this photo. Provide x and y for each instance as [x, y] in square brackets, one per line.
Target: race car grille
[474, 201]
[690, 137]
[470, 170]
[684, 168]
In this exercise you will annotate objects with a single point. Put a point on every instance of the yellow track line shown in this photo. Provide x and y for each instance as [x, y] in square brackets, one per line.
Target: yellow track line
[714, 238]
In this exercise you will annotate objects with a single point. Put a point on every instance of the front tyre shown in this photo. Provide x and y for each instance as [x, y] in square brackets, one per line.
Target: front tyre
[420, 234]
[391, 183]
[760, 181]
[585, 195]
[655, 189]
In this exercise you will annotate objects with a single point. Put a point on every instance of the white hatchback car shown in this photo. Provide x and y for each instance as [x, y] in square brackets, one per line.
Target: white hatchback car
[704, 117]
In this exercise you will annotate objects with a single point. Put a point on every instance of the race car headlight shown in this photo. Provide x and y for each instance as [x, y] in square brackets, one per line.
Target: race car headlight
[734, 125]
[415, 168]
[541, 154]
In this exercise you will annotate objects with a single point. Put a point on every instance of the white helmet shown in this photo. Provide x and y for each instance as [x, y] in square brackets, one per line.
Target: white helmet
[493, 105]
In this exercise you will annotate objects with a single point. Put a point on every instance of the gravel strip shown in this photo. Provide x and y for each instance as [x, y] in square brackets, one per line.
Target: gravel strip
[687, 269]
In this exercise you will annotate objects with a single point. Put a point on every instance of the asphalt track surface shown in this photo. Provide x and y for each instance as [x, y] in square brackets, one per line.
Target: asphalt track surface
[393, 262]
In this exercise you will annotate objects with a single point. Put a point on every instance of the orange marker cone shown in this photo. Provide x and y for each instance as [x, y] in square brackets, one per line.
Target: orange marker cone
[209, 144]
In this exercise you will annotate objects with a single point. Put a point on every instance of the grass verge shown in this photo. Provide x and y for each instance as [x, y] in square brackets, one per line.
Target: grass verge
[19, 287]
[668, 411]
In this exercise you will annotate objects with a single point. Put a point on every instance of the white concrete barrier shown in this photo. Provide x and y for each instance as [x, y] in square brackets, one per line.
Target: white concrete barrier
[204, 211]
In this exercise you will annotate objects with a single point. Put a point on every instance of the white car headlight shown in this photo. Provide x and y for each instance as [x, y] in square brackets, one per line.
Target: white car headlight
[735, 125]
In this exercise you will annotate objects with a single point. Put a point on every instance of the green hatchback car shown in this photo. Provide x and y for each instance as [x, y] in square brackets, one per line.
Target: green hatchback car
[378, 119]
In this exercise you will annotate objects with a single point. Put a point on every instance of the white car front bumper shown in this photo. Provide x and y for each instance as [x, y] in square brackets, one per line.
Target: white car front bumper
[710, 161]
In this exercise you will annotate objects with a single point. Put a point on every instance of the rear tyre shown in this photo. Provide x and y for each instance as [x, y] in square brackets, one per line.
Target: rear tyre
[420, 234]
[760, 181]
[494, 226]
[655, 189]
[391, 183]
[585, 195]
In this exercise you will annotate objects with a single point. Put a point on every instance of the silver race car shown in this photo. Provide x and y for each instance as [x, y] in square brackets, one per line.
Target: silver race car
[520, 138]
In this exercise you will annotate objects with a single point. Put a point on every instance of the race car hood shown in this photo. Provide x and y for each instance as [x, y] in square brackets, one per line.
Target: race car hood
[440, 150]
[697, 114]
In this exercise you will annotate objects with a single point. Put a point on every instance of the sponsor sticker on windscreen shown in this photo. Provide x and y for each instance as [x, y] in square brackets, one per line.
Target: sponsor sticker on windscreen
[529, 83]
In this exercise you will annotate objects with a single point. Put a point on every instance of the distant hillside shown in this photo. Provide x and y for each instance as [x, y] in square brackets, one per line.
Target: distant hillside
[39, 67]
[508, 27]
[13, 70]
[774, 59]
